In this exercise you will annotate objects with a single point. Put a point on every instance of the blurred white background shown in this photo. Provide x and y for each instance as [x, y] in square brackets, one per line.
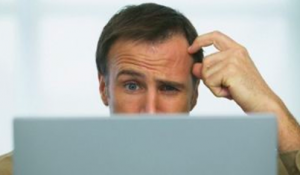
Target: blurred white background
[47, 53]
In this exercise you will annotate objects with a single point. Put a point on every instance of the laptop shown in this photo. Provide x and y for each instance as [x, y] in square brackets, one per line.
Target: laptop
[146, 145]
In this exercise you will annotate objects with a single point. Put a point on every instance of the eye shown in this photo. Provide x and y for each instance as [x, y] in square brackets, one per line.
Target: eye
[131, 86]
[168, 88]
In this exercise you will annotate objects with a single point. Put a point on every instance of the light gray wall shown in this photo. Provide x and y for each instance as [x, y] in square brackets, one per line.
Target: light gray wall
[47, 50]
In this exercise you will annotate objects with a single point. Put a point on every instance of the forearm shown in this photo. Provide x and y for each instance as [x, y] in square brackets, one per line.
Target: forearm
[288, 128]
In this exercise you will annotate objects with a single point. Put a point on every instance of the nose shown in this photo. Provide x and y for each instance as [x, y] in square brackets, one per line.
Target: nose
[150, 102]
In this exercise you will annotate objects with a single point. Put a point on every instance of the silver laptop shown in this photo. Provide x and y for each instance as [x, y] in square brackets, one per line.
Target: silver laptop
[146, 145]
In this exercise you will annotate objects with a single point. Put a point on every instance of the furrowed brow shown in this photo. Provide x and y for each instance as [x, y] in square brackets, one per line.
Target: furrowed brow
[132, 73]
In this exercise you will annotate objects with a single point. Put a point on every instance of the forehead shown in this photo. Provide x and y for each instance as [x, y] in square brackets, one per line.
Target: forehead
[165, 58]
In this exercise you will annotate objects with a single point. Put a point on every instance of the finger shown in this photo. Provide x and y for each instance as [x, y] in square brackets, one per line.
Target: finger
[216, 90]
[214, 58]
[207, 71]
[216, 81]
[208, 61]
[218, 39]
[214, 78]
[221, 92]
[197, 70]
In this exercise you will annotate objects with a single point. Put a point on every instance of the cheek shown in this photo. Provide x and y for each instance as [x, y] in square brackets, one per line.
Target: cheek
[178, 104]
[121, 102]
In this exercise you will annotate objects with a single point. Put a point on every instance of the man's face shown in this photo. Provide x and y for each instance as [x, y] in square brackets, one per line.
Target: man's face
[149, 77]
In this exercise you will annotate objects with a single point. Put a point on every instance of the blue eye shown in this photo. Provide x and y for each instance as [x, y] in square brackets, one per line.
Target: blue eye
[131, 86]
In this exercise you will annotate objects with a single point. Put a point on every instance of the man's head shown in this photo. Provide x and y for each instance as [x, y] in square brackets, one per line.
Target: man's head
[143, 62]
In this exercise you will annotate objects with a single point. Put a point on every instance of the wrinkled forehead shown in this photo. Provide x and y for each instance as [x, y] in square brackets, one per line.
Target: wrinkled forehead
[171, 53]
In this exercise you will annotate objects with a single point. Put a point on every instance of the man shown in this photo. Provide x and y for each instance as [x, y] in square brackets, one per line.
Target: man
[150, 60]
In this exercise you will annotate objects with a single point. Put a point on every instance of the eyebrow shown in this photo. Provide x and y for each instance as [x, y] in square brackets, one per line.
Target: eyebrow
[143, 76]
[132, 73]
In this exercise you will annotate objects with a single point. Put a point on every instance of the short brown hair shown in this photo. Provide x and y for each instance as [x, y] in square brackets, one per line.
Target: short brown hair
[147, 22]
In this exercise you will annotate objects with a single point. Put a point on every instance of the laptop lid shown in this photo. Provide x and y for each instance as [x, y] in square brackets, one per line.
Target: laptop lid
[160, 145]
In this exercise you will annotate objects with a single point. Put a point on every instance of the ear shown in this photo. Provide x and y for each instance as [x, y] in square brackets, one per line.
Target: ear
[103, 89]
[195, 94]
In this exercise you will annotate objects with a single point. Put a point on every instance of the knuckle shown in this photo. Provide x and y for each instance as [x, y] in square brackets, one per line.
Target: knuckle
[231, 68]
[206, 62]
[240, 52]
[207, 82]
[216, 91]
[217, 94]
[217, 33]
[205, 75]
[233, 61]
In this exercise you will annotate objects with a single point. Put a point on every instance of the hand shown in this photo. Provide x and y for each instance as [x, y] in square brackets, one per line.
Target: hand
[231, 73]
